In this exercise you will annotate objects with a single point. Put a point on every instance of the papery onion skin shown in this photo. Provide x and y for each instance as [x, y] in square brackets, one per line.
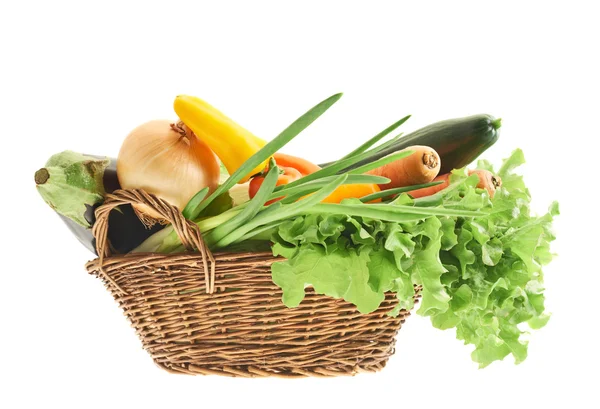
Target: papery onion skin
[164, 158]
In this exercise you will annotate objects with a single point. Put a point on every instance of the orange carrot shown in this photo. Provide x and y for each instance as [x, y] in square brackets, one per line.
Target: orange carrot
[487, 180]
[428, 191]
[302, 165]
[420, 167]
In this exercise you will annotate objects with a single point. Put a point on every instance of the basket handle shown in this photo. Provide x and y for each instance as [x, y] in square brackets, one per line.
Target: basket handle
[188, 231]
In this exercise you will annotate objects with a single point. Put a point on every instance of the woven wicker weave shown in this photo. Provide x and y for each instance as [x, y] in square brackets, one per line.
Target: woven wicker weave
[232, 322]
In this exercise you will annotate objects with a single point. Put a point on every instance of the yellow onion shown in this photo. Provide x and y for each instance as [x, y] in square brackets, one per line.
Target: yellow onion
[168, 160]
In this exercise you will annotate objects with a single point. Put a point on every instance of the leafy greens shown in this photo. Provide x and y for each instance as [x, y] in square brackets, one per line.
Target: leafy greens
[481, 275]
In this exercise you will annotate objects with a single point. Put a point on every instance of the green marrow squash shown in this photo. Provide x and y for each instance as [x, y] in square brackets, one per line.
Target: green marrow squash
[457, 141]
[74, 185]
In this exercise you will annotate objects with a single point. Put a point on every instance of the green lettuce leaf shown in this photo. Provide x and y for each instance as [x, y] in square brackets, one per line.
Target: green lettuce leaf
[339, 274]
[482, 276]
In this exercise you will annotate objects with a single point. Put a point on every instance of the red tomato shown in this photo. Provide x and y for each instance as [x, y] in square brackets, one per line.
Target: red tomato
[288, 175]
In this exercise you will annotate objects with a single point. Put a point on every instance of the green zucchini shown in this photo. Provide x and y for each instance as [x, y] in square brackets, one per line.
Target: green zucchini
[457, 141]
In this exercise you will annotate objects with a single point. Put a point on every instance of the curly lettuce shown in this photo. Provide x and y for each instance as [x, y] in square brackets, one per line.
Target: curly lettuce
[482, 275]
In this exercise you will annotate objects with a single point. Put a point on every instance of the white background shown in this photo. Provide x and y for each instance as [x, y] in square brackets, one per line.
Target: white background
[80, 75]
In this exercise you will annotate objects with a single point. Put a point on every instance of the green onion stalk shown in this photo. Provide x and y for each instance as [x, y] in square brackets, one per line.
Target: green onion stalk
[254, 220]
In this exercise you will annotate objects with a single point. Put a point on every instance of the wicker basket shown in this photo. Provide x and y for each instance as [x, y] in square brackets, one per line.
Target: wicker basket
[227, 318]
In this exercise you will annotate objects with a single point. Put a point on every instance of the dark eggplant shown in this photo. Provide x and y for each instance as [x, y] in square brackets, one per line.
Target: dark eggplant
[125, 231]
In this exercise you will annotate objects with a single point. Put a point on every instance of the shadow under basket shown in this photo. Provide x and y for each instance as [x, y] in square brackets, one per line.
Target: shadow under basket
[196, 313]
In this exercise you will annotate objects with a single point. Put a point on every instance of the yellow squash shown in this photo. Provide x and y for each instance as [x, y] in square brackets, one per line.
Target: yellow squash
[352, 191]
[232, 143]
